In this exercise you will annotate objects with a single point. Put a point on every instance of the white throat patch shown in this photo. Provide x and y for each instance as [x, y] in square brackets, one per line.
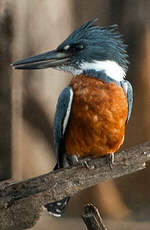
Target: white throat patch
[111, 68]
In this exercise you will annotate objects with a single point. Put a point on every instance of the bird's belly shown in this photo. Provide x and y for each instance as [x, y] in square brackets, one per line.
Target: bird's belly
[97, 120]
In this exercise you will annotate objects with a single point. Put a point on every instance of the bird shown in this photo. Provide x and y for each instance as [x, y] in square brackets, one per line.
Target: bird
[93, 110]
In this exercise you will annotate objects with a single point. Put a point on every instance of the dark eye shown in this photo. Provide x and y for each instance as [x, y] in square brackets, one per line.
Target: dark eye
[79, 46]
[73, 48]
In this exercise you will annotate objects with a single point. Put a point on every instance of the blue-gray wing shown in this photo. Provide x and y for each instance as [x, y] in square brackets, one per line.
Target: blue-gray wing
[129, 92]
[62, 114]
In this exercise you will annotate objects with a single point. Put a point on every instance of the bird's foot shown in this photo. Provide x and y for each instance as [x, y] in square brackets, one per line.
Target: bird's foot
[85, 161]
[72, 159]
[75, 160]
[110, 158]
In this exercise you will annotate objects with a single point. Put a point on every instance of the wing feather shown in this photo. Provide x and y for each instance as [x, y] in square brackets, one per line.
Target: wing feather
[62, 114]
[129, 92]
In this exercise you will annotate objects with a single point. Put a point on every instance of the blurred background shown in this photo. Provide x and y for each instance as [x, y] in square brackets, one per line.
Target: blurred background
[28, 100]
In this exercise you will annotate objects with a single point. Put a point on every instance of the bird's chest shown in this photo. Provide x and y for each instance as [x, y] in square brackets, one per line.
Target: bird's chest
[97, 119]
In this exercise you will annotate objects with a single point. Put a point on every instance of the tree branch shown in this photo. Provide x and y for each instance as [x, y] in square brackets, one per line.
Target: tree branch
[21, 202]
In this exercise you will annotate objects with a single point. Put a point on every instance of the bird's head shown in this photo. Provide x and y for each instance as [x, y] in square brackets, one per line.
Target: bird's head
[89, 47]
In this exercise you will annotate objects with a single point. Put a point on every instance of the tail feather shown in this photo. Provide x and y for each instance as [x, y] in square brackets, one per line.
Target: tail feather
[57, 208]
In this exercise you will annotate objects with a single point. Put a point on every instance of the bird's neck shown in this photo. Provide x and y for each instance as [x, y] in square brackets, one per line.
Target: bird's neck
[99, 75]
[106, 69]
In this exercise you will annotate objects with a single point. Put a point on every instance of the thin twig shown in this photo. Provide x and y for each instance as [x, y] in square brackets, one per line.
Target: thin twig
[92, 218]
[21, 203]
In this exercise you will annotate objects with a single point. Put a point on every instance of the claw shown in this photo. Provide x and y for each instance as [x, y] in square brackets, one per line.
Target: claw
[110, 160]
[85, 161]
[86, 164]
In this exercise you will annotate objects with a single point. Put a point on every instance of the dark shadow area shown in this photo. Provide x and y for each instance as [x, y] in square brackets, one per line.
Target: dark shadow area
[6, 35]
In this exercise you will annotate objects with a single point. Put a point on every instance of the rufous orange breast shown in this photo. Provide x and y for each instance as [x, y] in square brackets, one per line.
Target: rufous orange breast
[98, 116]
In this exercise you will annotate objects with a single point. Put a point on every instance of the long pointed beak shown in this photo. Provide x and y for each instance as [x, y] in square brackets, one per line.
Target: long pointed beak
[42, 61]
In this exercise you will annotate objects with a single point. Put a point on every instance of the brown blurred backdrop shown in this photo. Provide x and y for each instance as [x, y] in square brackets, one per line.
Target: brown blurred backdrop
[28, 99]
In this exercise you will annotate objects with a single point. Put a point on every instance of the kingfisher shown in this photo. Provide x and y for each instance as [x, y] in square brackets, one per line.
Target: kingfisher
[93, 110]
